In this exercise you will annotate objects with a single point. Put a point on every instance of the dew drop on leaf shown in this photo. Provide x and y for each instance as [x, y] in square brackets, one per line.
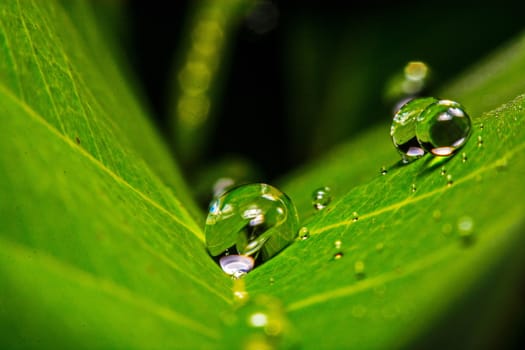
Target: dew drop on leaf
[261, 323]
[384, 171]
[450, 181]
[464, 157]
[465, 229]
[443, 171]
[338, 255]
[321, 197]
[359, 269]
[304, 233]
[413, 188]
[480, 141]
[249, 223]
[379, 247]
[436, 214]
[403, 129]
[443, 128]
[337, 244]
[355, 216]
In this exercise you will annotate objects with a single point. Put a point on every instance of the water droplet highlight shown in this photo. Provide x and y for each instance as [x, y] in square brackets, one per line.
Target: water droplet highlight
[359, 269]
[304, 233]
[464, 157]
[443, 128]
[384, 171]
[403, 129]
[321, 197]
[450, 181]
[480, 141]
[337, 244]
[465, 229]
[261, 323]
[249, 223]
[355, 216]
[338, 255]
[443, 171]
[413, 188]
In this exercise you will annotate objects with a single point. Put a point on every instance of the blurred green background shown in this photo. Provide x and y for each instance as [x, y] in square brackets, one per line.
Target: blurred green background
[252, 89]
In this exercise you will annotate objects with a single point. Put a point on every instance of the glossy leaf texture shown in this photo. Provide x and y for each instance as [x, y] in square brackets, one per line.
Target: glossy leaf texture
[403, 258]
[97, 244]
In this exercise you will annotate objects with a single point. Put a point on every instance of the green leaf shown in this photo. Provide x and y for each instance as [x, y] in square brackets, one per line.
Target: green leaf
[101, 245]
[95, 249]
[407, 261]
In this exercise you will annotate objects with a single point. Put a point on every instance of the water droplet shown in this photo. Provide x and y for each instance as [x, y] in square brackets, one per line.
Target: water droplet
[501, 164]
[359, 269]
[464, 157]
[443, 171]
[480, 141]
[355, 216]
[465, 229]
[481, 126]
[403, 129]
[450, 181]
[436, 214]
[338, 255]
[337, 244]
[384, 171]
[236, 265]
[261, 323]
[249, 223]
[272, 281]
[321, 197]
[379, 247]
[443, 128]
[304, 233]
[413, 188]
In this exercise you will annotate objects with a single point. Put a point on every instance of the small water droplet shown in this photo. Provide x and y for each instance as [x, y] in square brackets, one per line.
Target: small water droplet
[481, 126]
[403, 129]
[261, 323]
[465, 229]
[359, 269]
[480, 141]
[436, 214]
[321, 197]
[443, 128]
[413, 188]
[464, 157]
[501, 164]
[254, 210]
[443, 171]
[379, 247]
[272, 281]
[337, 244]
[450, 181]
[355, 216]
[304, 233]
[384, 171]
[338, 255]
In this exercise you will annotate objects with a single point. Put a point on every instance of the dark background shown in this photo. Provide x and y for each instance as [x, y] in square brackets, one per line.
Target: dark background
[356, 45]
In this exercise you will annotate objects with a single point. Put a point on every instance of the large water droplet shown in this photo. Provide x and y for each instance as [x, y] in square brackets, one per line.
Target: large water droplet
[465, 229]
[249, 223]
[443, 128]
[321, 197]
[403, 130]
